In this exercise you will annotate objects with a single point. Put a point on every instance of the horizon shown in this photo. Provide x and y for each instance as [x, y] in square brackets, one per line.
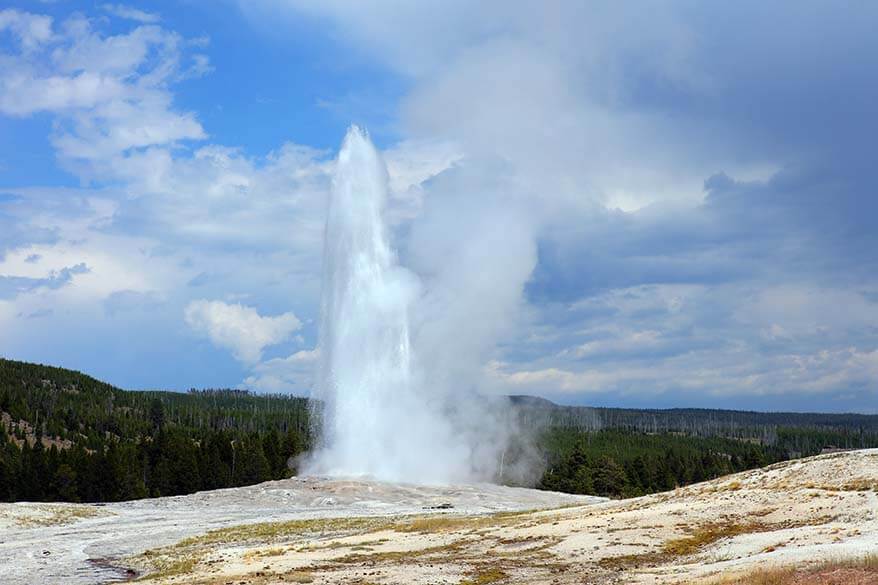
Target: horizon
[678, 215]
[305, 396]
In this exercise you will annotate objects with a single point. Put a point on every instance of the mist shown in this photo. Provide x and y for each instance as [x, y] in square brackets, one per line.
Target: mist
[402, 347]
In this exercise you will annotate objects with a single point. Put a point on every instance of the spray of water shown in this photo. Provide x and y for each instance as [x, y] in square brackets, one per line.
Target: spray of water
[378, 417]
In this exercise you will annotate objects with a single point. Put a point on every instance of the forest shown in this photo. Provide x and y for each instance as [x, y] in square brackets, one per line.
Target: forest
[65, 436]
[68, 437]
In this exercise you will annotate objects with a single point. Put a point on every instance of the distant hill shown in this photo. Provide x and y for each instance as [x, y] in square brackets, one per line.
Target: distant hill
[65, 435]
[66, 404]
[701, 421]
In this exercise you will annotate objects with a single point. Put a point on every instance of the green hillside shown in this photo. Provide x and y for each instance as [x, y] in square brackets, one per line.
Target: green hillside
[67, 436]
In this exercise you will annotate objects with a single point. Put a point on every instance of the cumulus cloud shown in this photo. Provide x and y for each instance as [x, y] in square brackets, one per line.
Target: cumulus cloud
[239, 328]
[293, 373]
[110, 93]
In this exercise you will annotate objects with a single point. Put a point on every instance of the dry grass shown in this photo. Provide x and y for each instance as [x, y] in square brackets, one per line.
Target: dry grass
[376, 557]
[860, 485]
[448, 523]
[433, 524]
[707, 535]
[185, 555]
[856, 571]
[486, 576]
[182, 557]
[271, 531]
[259, 553]
[698, 539]
[857, 485]
[166, 567]
[59, 514]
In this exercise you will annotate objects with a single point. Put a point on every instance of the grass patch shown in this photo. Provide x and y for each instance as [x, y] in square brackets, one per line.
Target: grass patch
[374, 557]
[484, 577]
[860, 485]
[698, 539]
[707, 535]
[259, 553]
[165, 568]
[181, 558]
[431, 524]
[59, 514]
[184, 555]
[853, 571]
[269, 531]
[448, 523]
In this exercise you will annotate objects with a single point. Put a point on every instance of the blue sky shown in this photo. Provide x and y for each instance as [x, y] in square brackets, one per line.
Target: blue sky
[662, 204]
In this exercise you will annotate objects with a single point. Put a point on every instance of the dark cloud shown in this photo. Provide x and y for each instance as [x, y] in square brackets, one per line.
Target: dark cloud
[12, 286]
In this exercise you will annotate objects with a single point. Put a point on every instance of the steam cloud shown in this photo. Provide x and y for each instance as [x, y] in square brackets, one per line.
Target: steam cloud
[401, 348]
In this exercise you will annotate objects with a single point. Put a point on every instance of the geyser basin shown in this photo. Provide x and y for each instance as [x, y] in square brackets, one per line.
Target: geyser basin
[118, 529]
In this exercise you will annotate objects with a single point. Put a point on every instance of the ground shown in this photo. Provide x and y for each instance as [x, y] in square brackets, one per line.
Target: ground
[785, 521]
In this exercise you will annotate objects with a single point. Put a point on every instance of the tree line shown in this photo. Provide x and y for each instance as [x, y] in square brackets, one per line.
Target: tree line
[65, 436]
[624, 463]
[169, 462]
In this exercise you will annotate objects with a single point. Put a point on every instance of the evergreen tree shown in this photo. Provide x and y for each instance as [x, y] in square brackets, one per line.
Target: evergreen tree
[64, 483]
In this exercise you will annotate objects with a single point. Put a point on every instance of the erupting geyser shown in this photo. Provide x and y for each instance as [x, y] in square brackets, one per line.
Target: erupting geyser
[377, 416]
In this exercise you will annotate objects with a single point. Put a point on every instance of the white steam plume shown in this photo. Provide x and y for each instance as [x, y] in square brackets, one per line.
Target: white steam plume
[399, 352]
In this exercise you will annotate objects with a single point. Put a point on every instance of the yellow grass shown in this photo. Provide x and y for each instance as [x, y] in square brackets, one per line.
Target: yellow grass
[268, 531]
[789, 575]
[58, 514]
[484, 577]
[705, 536]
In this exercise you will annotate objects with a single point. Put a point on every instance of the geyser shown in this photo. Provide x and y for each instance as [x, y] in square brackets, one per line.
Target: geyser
[378, 417]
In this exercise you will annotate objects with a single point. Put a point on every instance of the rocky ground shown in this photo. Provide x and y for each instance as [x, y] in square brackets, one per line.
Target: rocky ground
[74, 544]
[797, 514]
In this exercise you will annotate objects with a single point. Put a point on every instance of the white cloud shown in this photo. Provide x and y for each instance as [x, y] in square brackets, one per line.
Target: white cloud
[801, 310]
[123, 11]
[619, 345]
[31, 30]
[110, 93]
[735, 371]
[22, 93]
[238, 328]
[294, 373]
[723, 341]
